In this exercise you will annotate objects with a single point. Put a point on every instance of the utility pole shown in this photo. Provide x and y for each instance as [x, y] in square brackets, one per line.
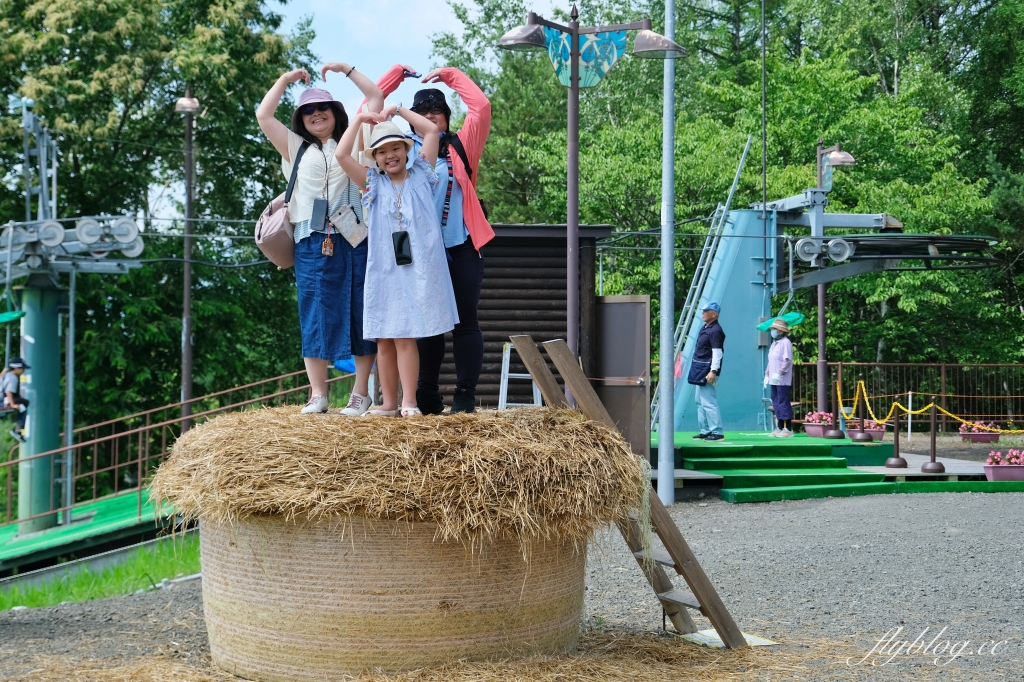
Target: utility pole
[189, 105]
[666, 381]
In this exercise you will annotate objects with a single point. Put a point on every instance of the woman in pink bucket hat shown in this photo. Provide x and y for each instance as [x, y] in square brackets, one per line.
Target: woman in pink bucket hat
[330, 270]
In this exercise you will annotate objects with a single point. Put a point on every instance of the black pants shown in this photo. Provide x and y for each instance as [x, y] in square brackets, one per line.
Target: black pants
[467, 271]
[20, 417]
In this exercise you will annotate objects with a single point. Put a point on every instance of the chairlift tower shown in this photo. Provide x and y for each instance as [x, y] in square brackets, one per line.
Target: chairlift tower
[40, 249]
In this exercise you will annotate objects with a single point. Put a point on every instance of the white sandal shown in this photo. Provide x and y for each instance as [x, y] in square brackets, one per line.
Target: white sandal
[380, 412]
[411, 412]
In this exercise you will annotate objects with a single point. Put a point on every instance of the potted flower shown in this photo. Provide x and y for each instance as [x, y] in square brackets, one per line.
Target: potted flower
[817, 423]
[876, 430]
[1008, 468]
[979, 432]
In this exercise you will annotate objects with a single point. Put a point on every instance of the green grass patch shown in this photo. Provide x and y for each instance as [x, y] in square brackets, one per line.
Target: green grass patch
[143, 569]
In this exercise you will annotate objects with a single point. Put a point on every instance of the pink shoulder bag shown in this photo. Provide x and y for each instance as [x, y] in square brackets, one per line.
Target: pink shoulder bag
[275, 234]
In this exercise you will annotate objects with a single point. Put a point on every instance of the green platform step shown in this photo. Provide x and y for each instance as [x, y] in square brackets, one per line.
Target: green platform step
[804, 492]
[783, 478]
[757, 468]
[773, 462]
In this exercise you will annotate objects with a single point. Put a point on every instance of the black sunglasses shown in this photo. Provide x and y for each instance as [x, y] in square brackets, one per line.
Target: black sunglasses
[310, 108]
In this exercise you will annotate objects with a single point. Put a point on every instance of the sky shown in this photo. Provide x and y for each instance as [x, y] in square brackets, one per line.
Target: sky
[353, 32]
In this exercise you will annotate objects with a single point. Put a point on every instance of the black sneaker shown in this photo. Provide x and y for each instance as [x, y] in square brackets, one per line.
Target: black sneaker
[715, 436]
[701, 436]
[463, 401]
[16, 434]
[429, 402]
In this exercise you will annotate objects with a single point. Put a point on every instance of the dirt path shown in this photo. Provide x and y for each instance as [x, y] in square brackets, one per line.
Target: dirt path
[827, 578]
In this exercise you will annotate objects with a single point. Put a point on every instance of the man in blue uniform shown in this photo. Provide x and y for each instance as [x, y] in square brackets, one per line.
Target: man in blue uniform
[705, 368]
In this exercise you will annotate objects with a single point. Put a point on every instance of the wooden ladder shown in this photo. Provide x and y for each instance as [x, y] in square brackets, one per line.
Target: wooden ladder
[674, 601]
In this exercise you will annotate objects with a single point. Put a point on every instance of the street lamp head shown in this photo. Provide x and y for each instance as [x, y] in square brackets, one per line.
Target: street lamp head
[524, 38]
[651, 45]
[840, 158]
[187, 105]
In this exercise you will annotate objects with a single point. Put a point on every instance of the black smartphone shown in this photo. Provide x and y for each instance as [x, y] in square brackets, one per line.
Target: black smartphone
[403, 247]
[411, 74]
[318, 221]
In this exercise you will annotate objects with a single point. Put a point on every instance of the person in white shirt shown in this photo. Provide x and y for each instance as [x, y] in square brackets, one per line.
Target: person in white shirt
[329, 270]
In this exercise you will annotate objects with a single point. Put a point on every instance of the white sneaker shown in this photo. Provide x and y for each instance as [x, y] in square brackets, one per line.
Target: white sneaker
[317, 403]
[785, 433]
[776, 433]
[357, 405]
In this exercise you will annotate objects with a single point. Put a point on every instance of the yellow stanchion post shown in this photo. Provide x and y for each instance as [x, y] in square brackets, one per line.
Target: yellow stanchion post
[835, 432]
[896, 462]
[861, 399]
[933, 467]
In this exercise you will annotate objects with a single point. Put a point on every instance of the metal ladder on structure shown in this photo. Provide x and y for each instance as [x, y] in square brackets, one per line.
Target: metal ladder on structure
[719, 219]
[506, 356]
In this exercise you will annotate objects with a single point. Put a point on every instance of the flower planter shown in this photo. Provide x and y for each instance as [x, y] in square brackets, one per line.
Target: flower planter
[980, 437]
[817, 430]
[876, 434]
[1004, 472]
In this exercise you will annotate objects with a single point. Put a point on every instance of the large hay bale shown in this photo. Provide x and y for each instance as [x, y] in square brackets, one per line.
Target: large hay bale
[333, 545]
[287, 601]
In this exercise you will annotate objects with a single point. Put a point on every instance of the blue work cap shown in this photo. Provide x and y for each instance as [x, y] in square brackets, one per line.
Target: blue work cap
[713, 306]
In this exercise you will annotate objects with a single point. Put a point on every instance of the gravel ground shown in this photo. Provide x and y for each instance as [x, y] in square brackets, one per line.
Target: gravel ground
[804, 572]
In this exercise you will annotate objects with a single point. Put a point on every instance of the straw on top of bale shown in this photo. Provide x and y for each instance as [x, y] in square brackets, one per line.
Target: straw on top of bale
[529, 473]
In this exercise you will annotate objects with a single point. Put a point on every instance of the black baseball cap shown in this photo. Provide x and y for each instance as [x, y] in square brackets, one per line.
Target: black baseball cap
[18, 363]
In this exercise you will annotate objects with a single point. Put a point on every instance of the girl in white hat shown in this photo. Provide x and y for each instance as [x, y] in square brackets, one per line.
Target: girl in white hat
[408, 292]
[779, 375]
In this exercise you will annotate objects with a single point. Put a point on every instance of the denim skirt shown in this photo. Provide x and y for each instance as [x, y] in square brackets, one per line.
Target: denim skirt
[330, 292]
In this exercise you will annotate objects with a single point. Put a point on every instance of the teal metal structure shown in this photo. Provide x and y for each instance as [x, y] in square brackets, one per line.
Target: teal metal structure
[40, 346]
[738, 282]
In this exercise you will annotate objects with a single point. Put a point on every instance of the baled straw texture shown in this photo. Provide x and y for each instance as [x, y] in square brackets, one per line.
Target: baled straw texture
[530, 474]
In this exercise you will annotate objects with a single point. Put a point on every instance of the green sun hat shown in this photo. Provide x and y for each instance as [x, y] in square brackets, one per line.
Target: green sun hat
[792, 319]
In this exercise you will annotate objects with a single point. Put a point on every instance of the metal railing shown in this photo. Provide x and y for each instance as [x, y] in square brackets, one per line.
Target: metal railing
[977, 392]
[121, 455]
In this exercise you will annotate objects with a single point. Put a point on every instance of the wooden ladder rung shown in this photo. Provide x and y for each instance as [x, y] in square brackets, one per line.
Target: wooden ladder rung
[660, 556]
[681, 598]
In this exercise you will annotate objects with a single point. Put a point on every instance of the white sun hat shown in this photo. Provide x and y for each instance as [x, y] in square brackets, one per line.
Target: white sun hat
[382, 134]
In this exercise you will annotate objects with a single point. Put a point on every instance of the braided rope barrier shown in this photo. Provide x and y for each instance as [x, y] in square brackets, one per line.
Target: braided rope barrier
[862, 390]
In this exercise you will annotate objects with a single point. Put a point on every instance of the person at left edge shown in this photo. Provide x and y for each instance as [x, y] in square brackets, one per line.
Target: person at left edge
[464, 227]
[705, 368]
[10, 384]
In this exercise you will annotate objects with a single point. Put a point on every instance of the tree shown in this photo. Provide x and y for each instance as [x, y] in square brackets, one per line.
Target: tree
[105, 77]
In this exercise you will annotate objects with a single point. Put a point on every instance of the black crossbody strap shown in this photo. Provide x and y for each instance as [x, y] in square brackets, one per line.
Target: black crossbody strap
[454, 141]
[295, 172]
[448, 196]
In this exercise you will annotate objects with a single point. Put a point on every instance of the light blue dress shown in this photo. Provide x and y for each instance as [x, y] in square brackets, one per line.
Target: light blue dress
[407, 301]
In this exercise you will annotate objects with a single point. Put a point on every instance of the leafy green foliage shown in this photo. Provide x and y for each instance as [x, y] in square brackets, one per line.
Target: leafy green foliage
[900, 86]
[105, 77]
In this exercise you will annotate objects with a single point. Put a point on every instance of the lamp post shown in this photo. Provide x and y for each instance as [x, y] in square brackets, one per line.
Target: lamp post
[188, 105]
[647, 44]
[827, 159]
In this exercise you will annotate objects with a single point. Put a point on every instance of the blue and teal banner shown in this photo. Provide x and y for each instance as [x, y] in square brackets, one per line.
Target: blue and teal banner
[598, 54]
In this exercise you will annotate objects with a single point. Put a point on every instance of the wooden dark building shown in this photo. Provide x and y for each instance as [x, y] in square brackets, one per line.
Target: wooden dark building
[524, 292]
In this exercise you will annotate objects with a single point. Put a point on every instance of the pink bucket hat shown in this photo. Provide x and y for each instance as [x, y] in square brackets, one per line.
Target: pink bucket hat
[315, 96]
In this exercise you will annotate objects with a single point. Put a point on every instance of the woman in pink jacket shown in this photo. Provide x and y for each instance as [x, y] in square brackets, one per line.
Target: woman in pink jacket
[463, 225]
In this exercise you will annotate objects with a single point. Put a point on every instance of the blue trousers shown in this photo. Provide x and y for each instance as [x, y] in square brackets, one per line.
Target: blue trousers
[708, 418]
[780, 402]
